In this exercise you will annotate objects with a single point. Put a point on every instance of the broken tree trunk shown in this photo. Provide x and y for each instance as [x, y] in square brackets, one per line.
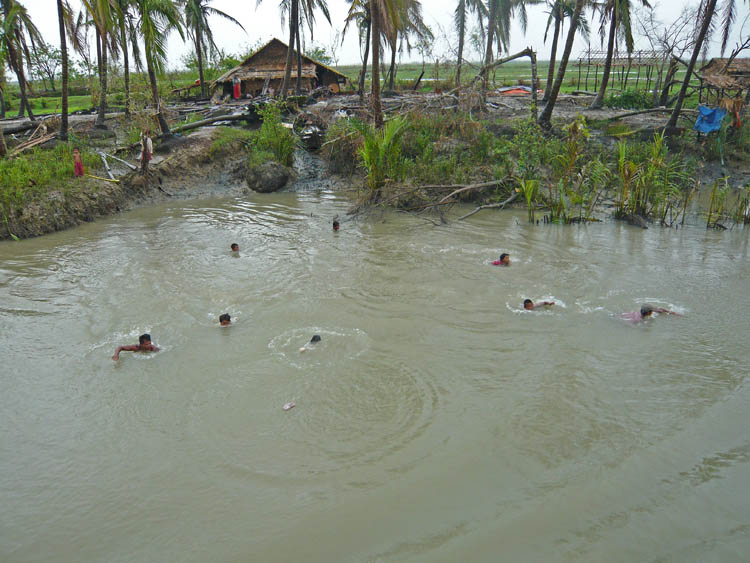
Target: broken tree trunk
[500, 205]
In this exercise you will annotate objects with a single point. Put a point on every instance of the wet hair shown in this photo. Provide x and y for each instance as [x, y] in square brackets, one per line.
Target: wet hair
[144, 338]
[234, 244]
[646, 309]
[527, 302]
[502, 256]
[315, 338]
[335, 224]
[225, 317]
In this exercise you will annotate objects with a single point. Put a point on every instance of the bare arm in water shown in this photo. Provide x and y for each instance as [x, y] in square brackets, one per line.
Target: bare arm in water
[134, 348]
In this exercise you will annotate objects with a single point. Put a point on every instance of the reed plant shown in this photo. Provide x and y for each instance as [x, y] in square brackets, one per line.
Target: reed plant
[530, 190]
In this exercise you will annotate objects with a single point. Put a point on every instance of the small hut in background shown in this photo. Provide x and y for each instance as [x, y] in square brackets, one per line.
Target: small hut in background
[720, 80]
[264, 70]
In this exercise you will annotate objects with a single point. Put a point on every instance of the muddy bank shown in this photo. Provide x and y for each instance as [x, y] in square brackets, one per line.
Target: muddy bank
[183, 168]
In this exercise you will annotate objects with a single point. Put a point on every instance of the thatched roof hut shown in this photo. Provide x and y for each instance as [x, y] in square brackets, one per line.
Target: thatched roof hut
[265, 69]
[736, 76]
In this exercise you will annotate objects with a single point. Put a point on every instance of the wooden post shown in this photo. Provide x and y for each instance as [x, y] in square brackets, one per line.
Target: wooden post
[637, 76]
[579, 75]
[596, 77]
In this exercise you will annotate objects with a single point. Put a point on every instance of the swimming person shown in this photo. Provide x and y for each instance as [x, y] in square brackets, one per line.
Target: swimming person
[529, 305]
[504, 260]
[144, 345]
[314, 340]
[335, 225]
[646, 311]
[225, 319]
[235, 247]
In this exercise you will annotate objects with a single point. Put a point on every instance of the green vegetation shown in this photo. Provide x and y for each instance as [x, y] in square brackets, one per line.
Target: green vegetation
[274, 137]
[34, 173]
[229, 139]
[630, 99]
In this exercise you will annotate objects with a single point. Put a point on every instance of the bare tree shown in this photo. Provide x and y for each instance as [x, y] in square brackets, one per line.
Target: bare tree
[672, 41]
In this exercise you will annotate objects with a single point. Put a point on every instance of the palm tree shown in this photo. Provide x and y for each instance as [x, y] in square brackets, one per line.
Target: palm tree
[385, 16]
[102, 14]
[196, 25]
[16, 24]
[546, 116]
[361, 16]
[500, 14]
[559, 10]
[618, 12]
[462, 10]
[156, 19]
[62, 15]
[413, 25]
[706, 11]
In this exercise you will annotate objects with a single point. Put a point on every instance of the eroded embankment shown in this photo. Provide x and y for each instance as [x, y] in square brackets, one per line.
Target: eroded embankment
[183, 168]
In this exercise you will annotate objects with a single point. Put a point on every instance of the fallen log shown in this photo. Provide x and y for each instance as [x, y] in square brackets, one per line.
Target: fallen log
[106, 166]
[465, 188]
[125, 162]
[210, 121]
[30, 144]
[500, 205]
[20, 128]
[650, 110]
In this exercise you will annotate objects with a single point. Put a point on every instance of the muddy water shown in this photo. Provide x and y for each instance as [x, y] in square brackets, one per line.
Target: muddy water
[436, 421]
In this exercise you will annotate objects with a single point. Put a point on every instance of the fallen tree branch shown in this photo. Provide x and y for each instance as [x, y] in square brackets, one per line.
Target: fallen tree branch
[467, 188]
[650, 110]
[29, 144]
[211, 120]
[500, 205]
[125, 162]
[106, 166]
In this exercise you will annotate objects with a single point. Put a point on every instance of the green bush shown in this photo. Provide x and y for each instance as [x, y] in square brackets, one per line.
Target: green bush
[274, 137]
[33, 173]
[630, 99]
[230, 139]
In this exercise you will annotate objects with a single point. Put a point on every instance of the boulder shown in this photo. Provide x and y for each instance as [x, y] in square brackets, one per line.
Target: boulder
[267, 177]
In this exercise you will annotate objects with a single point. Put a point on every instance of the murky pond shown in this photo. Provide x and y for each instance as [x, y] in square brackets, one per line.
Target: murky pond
[435, 421]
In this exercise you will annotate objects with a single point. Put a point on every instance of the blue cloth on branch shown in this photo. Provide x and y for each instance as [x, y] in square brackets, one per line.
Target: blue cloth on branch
[709, 119]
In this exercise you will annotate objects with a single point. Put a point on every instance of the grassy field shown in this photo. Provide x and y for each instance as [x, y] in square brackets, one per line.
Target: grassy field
[435, 76]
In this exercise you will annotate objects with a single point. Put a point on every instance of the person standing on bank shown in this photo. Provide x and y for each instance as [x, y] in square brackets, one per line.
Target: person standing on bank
[147, 149]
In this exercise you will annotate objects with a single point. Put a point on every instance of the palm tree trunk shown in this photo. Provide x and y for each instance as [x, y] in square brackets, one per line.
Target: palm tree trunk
[163, 125]
[705, 24]
[2, 90]
[392, 70]
[544, 119]
[597, 103]
[126, 63]
[299, 62]
[461, 32]
[490, 33]
[64, 84]
[17, 66]
[552, 56]
[290, 49]
[364, 64]
[377, 111]
[199, 56]
[102, 54]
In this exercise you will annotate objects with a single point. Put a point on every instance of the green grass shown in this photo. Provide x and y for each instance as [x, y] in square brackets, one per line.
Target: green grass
[228, 139]
[50, 104]
[34, 173]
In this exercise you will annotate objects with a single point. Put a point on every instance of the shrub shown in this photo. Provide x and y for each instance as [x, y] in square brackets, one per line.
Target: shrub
[630, 99]
[274, 137]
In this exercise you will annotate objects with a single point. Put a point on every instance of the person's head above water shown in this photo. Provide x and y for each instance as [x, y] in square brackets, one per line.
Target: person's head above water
[504, 259]
[225, 319]
[335, 225]
[235, 247]
[315, 339]
[144, 339]
[646, 310]
[528, 304]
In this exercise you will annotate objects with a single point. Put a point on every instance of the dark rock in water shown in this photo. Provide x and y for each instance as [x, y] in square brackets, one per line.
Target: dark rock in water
[312, 137]
[267, 177]
[637, 221]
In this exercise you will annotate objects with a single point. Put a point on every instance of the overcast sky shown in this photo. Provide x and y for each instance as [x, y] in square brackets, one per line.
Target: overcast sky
[263, 24]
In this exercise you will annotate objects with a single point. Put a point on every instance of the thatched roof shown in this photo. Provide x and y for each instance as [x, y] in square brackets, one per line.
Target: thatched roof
[735, 76]
[266, 62]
